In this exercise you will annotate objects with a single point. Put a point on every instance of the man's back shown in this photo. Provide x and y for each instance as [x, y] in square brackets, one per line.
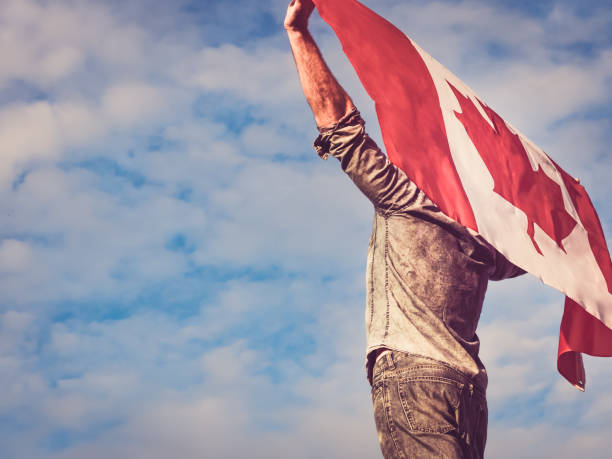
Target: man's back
[426, 275]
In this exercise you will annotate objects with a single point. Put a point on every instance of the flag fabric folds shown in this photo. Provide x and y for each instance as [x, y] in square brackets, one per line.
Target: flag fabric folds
[485, 174]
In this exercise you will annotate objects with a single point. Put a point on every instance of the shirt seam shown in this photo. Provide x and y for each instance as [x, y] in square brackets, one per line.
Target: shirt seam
[372, 277]
[388, 311]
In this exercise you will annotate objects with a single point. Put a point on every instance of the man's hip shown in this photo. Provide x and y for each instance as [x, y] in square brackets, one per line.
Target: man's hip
[425, 408]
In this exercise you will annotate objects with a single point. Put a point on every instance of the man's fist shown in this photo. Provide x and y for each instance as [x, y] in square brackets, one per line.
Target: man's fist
[298, 13]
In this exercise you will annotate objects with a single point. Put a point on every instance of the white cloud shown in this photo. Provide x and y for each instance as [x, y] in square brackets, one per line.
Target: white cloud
[27, 131]
[78, 122]
[102, 235]
[266, 140]
[265, 76]
[281, 208]
[43, 44]
[128, 103]
[545, 441]
[61, 62]
[15, 256]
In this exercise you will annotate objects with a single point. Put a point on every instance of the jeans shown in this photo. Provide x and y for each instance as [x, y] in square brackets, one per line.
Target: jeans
[424, 408]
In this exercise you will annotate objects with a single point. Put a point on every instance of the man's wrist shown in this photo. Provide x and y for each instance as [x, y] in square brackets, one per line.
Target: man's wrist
[300, 35]
[292, 30]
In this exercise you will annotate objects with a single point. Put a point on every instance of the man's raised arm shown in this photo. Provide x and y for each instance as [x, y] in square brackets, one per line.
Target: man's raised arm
[384, 184]
[327, 99]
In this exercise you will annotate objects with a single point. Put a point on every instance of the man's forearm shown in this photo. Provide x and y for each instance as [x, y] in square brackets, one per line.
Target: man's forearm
[327, 99]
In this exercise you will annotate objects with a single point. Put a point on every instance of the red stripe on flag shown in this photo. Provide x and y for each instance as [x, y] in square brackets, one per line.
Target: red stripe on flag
[397, 79]
[590, 222]
[580, 332]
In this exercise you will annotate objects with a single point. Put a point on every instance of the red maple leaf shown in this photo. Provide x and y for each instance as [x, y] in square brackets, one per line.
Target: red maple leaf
[503, 153]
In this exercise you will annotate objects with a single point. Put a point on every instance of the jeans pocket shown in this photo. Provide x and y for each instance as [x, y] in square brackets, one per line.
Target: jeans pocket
[430, 404]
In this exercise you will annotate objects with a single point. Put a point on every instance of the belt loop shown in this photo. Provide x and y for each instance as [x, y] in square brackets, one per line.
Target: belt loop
[390, 361]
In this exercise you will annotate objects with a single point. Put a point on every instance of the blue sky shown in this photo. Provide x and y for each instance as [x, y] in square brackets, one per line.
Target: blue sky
[181, 276]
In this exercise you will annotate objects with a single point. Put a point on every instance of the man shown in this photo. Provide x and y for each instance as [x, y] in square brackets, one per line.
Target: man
[426, 279]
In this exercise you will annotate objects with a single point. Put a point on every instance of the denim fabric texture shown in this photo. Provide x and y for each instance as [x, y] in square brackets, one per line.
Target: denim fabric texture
[426, 409]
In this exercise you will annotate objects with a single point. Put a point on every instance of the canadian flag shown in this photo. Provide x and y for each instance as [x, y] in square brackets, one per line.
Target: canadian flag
[485, 174]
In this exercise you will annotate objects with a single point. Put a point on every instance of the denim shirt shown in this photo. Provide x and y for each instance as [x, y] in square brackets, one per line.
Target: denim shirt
[426, 274]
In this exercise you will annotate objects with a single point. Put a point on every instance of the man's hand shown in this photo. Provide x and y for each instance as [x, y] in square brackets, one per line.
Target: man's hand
[298, 13]
[329, 102]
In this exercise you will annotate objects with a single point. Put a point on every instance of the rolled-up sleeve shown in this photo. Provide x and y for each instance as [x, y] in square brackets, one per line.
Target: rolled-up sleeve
[384, 184]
